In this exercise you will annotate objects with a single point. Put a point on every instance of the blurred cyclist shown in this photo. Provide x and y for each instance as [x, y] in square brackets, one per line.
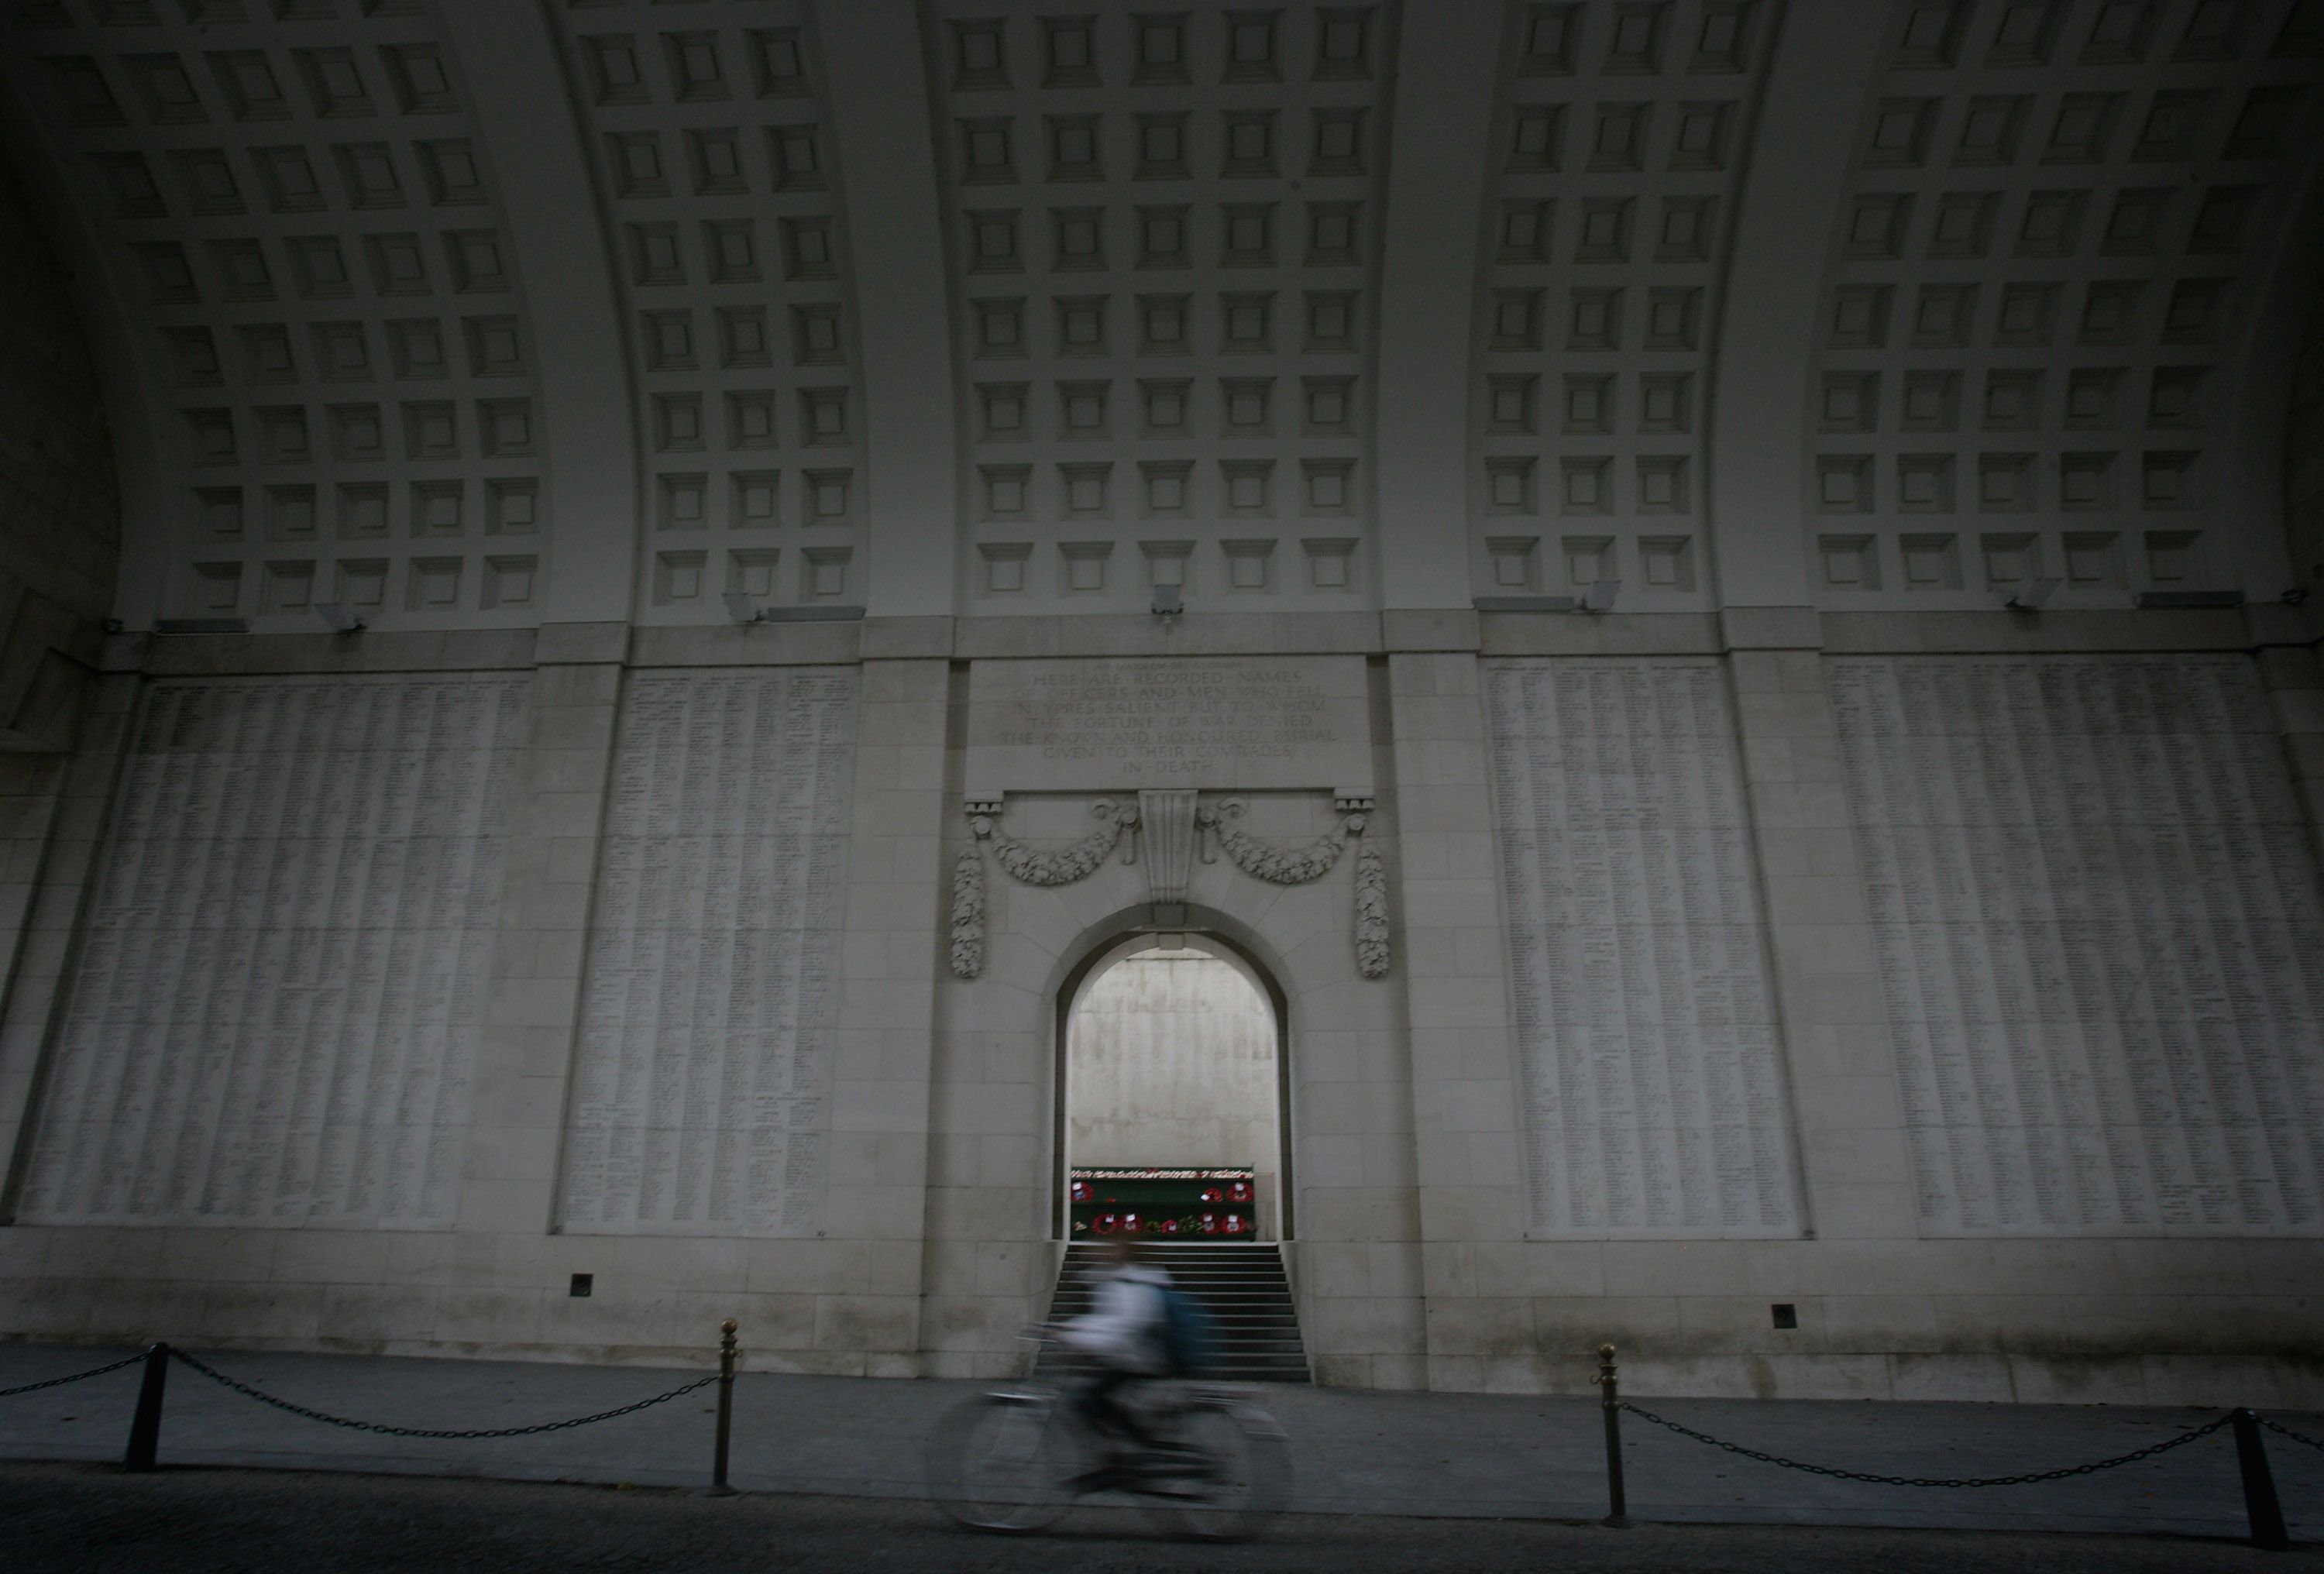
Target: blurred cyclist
[1124, 1333]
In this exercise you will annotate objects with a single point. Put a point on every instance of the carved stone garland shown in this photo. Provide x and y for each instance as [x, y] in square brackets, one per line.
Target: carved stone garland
[1067, 864]
[1035, 867]
[968, 915]
[1276, 865]
[1371, 909]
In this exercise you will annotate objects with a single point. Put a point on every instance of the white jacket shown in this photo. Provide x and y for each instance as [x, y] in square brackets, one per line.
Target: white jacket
[1124, 1328]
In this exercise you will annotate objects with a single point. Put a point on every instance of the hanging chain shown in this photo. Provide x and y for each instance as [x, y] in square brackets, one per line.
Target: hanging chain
[77, 1377]
[420, 1432]
[2277, 1426]
[2026, 1480]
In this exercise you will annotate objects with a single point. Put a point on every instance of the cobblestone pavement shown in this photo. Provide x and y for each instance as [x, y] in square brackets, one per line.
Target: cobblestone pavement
[94, 1520]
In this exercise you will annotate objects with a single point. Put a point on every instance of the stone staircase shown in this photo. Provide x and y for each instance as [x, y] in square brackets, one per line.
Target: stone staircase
[1241, 1284]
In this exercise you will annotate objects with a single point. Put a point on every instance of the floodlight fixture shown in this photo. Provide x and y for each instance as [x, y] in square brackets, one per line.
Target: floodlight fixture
[335, 613]
[742, 609]
[1599, 596]
[2033, 594]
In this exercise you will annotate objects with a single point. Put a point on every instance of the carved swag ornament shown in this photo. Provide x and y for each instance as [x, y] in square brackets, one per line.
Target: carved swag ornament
[1077, 860]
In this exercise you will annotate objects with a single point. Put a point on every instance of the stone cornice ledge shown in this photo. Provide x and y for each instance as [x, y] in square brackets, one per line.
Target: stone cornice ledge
[324, 653]
[2072, 629]
[748, 645]
[1419, 630]
[912, 639]
[1254, 633]
[1770, 627]
[1607, 634]
[562, 643]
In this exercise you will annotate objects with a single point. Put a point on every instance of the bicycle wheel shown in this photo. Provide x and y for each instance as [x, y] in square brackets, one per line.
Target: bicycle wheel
[1226, 1473]
[998, 1462]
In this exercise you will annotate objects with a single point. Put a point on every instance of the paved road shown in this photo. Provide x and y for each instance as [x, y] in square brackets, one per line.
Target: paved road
[94, 1520]
[1411, 1455]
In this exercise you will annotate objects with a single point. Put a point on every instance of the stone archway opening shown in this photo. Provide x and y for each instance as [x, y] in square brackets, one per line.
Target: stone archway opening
[1172, 1058]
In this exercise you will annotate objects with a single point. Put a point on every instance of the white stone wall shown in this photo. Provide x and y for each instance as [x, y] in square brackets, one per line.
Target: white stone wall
[1840, 418]
[1170, 1060]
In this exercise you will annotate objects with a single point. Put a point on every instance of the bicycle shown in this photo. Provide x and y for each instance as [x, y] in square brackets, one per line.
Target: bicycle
[1016, 1458]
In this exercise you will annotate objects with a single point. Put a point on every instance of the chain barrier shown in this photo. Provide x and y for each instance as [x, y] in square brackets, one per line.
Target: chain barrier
[77, 1377]
[2028, 1480]
[383, 1429]
[2277, 1426]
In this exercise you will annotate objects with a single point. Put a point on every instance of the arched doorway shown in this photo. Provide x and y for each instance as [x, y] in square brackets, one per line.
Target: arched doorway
[1172, 1054]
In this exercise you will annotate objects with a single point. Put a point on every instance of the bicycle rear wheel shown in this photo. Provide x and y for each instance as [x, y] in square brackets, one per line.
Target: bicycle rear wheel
[1227, 1473]
[998, 1462]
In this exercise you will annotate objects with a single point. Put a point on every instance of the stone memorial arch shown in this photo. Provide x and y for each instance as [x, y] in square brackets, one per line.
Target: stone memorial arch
[1260, 831]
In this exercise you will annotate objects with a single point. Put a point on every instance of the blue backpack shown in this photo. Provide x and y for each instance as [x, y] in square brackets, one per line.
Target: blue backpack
[1190, 1334]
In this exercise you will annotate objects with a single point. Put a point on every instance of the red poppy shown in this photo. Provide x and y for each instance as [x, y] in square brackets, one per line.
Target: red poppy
[1106, 1223]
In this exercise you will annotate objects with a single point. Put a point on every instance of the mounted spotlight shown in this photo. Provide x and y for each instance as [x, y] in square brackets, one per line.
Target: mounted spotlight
[2033, 595]
[742, 609]
[1599, 596]
[337, 614]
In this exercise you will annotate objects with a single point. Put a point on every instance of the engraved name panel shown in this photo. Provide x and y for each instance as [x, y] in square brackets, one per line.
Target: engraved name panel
[1217, 722]
[273, 1011]
[1652, 1090]
[2096, 918]
[701, 1101]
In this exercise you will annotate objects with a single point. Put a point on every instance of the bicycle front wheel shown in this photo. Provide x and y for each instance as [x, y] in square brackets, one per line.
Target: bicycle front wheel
[1228, 1473]
[998, 1462]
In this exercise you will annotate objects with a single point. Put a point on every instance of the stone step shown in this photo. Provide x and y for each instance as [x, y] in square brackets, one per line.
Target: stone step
[1241, 1284]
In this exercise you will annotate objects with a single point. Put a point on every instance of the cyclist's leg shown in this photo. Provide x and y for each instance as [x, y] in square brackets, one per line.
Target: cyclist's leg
[1099, 1407]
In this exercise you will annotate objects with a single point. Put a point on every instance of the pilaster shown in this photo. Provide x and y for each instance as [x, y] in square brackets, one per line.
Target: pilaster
[1846, 1113]
[524, 1056]
[1462, 1068]
[53, 810]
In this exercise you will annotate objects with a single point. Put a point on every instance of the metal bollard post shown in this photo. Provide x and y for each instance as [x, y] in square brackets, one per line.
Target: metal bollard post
[718, 1487]
[1618, 1502]
[2260, 1504]
[145, 1425]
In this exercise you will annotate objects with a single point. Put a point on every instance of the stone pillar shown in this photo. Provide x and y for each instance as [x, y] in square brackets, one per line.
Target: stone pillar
[1847, 1115]
[1462, 1069]
[53, 810]
[2292, 672]
[868, 1300]
[525, 1055]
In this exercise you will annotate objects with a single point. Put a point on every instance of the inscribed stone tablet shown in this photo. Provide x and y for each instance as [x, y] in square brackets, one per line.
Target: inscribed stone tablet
[2097, 920]
[1652, 1089]
[702, 1089]
[1211, 722]
[274, 1008]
